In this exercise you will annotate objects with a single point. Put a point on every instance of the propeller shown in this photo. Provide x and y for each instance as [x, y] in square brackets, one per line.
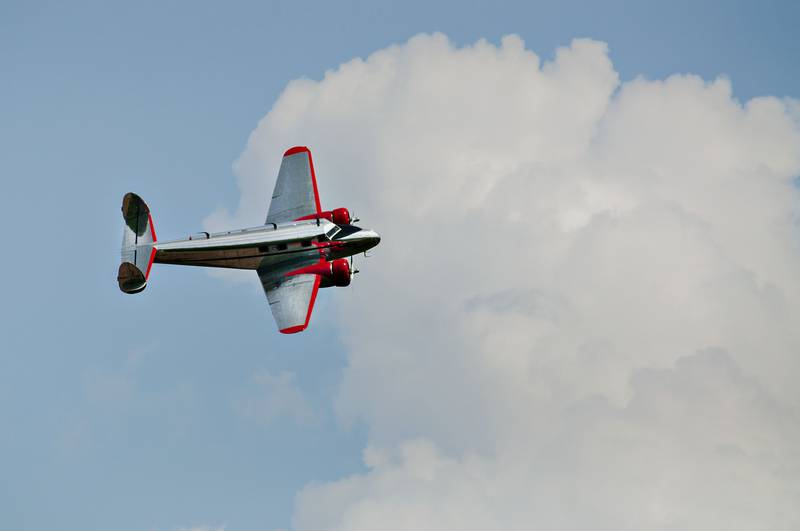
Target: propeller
[353, 270]
[353, 218]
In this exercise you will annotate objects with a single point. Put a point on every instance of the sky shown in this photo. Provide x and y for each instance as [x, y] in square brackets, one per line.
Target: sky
[581, 314]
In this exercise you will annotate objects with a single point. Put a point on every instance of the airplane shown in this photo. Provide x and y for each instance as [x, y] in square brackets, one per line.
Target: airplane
[298, 250]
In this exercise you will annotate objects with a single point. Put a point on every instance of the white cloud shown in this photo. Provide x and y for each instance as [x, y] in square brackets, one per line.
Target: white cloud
[583, 313]
[697, 447]
[269, 398]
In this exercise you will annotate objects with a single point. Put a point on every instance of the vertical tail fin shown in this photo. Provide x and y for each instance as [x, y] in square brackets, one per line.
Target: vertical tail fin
[138, 244]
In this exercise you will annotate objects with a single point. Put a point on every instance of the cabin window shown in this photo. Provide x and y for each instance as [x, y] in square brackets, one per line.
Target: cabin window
[263, 249]
[306, 243]
[281, 246]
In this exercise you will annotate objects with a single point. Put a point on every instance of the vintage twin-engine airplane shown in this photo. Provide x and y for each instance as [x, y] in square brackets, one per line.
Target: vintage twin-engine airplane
[300, 249]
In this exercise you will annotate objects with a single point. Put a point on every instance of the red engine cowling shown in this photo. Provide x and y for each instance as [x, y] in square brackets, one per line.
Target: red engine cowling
[335, 273]
[340, 272]
[340, 216]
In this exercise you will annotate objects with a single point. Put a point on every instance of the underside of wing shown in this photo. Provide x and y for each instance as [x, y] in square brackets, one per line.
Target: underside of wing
[295, 195]
[291, 298]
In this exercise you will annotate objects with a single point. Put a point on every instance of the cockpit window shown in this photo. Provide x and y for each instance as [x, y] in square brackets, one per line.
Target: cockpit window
[347, 230]
[332, 232]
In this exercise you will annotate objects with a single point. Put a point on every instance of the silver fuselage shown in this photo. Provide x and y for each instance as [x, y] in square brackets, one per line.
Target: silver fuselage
[260, 247]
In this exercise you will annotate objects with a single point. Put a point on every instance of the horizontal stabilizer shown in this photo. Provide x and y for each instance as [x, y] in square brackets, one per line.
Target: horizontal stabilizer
[130, 278]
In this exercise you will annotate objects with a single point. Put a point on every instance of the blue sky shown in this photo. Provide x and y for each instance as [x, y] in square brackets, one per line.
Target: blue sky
[110, 422]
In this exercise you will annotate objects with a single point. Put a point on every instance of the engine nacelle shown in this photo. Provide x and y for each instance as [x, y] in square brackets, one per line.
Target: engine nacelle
[335, 273]
[340, 216]
[340, 272]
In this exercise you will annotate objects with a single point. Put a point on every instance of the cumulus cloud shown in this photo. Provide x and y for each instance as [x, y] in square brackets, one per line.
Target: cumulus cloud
[583, 311]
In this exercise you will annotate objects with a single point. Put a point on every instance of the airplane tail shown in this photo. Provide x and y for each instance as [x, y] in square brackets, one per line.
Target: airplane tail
[138, 244]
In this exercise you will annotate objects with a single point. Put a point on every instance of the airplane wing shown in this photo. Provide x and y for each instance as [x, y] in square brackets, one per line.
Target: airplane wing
[295, 193]
[291, 299]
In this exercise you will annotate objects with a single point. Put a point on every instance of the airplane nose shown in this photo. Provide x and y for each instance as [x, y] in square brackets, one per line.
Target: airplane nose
[371, 237]
[361, 240]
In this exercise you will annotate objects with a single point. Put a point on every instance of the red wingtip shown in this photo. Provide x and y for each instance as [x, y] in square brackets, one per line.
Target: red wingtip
[300, 328]
[296, 149]
[304, 149]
